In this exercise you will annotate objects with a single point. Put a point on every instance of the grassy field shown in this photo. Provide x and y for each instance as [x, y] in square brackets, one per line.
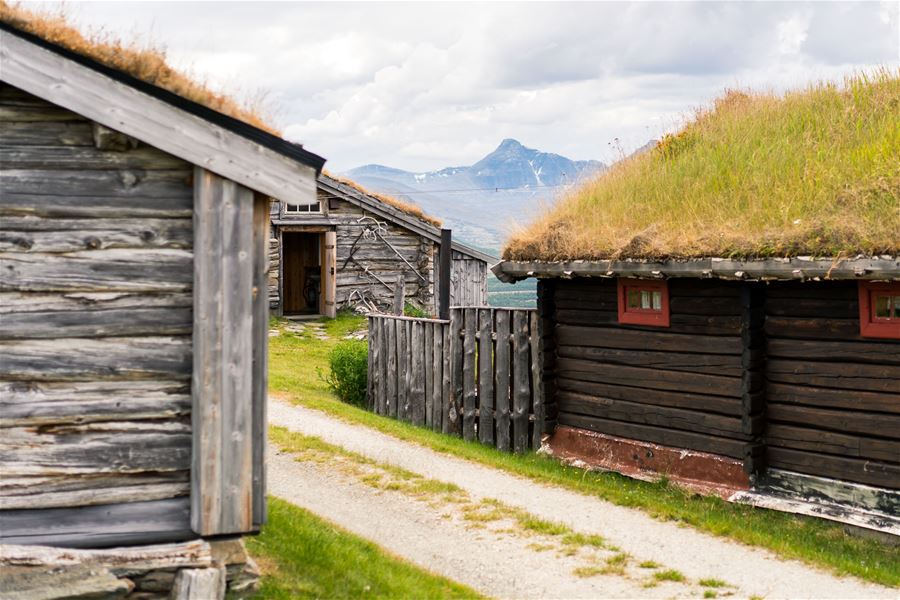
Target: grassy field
[292, 375]
[809, 172]
[303, 556]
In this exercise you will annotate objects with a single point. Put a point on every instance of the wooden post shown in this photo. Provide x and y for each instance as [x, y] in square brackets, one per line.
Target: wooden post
[521, 374]
[546, 307]
[329, 282]
[446, 253]
[402, 370]
[428, 368]
[469, 371]
[438, 377]
[222, 479]
[501, 384]
[399, 295]
[454, 404]
[753, 363]
[537, 386]
[371, 399]
[485, 377]
[392, 379]
[261, 224]
[417, 373]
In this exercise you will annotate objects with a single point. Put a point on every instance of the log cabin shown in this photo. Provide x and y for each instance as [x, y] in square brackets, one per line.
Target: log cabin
[133, 325]
[676, 344]
[348, 248]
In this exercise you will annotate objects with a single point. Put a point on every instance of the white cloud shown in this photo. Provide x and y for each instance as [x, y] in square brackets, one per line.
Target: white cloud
[422, 86]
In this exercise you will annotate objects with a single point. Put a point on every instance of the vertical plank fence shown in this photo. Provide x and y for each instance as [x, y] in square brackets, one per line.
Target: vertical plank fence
[475, 376]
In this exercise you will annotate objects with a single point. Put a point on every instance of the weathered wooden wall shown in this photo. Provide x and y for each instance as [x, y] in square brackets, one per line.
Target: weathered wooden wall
[679, 386]
[96, 271]
[833, 397]
[468, 280]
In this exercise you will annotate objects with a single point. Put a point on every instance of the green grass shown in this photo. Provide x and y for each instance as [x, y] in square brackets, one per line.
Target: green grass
[712, 583]
[669, 575]
[814, 541]
[810, 172]
[303, 556]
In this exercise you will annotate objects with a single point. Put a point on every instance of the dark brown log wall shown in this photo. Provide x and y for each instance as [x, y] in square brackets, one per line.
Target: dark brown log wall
[833, 397]
[680, 386]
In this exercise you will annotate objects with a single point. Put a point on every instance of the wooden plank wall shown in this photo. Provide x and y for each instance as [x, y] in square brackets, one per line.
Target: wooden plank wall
[468, 280]
[96, 271]
[833, 397]
[473, 376]
[680, 386]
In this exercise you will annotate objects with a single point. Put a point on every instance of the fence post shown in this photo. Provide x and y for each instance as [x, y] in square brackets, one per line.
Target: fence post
[445, 266]
[399, 294]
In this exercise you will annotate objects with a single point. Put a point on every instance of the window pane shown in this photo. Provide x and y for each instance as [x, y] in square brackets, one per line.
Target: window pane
[634, 298]
[657, 300]
[882, 304]
[897, 307]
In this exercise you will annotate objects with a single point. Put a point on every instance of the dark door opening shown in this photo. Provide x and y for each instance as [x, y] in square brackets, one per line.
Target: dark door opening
[302, 284]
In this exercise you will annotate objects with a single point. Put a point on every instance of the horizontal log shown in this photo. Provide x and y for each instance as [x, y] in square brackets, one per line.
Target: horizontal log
[710, 364]
[157, 270]
[23, 302]
[45, 133]
[679, 323]
[870, 352]
[824, 397]
[701, 402]
[698, 305]
[645, 340]
[847, 376]
[34, 234]
[28, 403]
[828, 308]
[648, 414]
[870, 424]
[108, 322]
[835, 290]
[130, 523]
[87, 157]
[837, 467]
[31, 492]
[657, 435]
[831, 442]
[812, 328]
[108, 447]
[96, 359]
[676, 381]
[22, 111]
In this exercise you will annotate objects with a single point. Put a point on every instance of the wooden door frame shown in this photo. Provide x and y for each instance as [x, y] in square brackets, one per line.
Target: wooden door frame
[328, 276]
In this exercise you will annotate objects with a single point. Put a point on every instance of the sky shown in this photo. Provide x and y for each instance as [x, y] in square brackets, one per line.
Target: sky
[429, 85]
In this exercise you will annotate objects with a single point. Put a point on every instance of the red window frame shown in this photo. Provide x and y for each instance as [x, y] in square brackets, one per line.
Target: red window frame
[643, 316]
[871, 325]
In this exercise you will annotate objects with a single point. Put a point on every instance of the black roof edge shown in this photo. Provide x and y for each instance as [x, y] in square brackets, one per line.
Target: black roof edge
[254, 134]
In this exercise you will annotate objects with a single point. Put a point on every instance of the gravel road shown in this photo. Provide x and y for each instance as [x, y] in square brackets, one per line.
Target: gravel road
[508, 566]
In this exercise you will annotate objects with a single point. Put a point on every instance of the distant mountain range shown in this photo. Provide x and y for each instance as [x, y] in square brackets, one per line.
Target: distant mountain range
[480, 202]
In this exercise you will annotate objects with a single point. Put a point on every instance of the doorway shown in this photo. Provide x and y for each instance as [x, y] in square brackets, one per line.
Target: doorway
[302, 264]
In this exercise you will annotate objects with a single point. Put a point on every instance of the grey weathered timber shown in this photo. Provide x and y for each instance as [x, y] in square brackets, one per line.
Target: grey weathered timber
[402, 371]
[485, 377]
[260, 348]
[199, 584]
[470, 391]
[537, 383]
[444, 271]
[61, 583]
[96, 359]
[119, 322]
[392, 366]
[399, 295]
[131, 523]
[502, 388]
[372, 365]
[803, 268]
[447, 378]
[123, 562]
[37, 234]
[437, 390]
[79, 157]
[114, 270]
[407, 369]
[29, 404]
[416, 395]
[428, 371]
[521, 396]
[222, 386]
[157, 123]
[63, 490]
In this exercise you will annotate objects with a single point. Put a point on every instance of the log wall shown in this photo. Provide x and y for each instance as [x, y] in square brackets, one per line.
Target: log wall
[833, 397]
[96, 271]
[679, 386]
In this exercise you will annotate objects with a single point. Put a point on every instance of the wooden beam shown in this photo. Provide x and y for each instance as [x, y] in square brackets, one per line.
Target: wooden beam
[753, 360]
[260, 352]
[222, 387]
[125, 109]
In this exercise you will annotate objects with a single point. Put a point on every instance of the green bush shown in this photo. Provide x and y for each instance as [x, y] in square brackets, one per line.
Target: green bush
[348, 371]
[411, 310]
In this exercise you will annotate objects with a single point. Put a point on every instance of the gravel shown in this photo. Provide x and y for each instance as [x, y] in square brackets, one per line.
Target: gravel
[507, 568]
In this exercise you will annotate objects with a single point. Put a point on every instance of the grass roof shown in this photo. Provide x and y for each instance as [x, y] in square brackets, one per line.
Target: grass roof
[148, 63]
[814, 172]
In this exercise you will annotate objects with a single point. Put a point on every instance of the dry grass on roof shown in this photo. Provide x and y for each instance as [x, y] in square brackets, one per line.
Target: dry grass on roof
[407, 207]
[144, 62]
[811, 172]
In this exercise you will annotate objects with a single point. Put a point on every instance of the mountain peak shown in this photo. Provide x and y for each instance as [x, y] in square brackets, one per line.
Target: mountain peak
[510, 144]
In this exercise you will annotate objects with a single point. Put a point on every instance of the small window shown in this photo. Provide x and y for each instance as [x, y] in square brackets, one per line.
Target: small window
[879, 309]
[643, 302]
[299, 209]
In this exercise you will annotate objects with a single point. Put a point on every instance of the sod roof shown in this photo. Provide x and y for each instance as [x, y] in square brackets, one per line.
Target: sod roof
[148, 64]
[814, 172]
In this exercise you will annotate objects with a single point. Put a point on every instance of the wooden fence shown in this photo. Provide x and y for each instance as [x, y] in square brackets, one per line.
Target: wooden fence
[476, 375]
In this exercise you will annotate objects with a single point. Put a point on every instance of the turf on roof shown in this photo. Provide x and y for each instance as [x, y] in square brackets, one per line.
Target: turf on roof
[813, 172]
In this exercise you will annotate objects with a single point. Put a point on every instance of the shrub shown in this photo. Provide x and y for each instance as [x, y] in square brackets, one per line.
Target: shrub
[411, 310]
[348, 366]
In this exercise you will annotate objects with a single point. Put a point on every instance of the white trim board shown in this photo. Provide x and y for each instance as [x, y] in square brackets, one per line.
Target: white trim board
[118, 106]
